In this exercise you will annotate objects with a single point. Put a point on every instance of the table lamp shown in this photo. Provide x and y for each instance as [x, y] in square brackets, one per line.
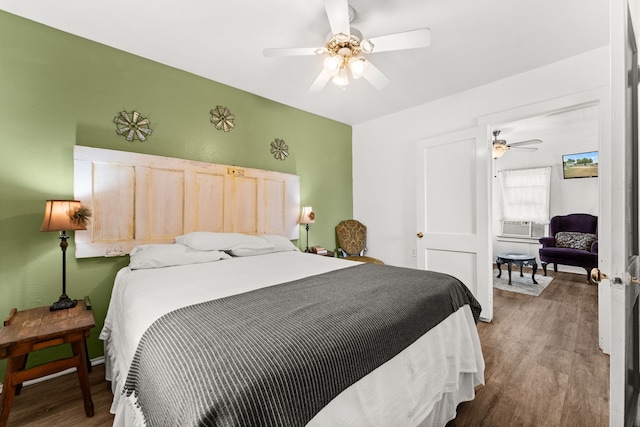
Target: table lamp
[63, 215]
[307, 217]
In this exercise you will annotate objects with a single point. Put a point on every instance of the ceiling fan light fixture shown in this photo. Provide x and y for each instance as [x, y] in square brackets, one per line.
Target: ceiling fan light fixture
[499, 149]
[341, 79]
[333, 63]
[358, 66]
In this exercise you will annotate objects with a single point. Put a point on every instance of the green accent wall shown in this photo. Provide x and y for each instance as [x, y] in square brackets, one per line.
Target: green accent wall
[58, 90]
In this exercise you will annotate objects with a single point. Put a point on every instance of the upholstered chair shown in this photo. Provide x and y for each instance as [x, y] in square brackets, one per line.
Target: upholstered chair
[573, 241]
[352, 238]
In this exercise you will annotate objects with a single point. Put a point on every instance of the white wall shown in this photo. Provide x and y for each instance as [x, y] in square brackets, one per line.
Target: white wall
[384, 187]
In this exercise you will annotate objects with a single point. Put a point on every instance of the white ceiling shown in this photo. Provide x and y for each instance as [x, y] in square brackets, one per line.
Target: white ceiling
[474, 42]
[576, 124]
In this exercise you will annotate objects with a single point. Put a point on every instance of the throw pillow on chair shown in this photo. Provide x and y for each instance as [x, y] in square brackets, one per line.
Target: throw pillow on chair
[575, 240]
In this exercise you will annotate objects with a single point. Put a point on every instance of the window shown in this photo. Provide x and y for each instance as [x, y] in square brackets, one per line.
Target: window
[524, 194]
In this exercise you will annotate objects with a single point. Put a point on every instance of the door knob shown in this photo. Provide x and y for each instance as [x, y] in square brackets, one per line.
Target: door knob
[420, 235]
[597, 275]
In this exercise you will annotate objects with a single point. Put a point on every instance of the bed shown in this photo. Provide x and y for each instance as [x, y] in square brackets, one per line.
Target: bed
[267, 304]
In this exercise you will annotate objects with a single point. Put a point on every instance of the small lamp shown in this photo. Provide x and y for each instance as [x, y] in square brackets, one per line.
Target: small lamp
[307, 217]
[63, 215]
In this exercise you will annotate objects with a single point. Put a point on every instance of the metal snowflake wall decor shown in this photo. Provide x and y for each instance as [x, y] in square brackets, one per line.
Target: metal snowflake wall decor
[132, 125]
[222, 118]
[279, 149]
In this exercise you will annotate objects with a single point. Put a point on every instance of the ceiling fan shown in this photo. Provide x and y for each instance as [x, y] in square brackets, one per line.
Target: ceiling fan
[500, 146]
[344, 53]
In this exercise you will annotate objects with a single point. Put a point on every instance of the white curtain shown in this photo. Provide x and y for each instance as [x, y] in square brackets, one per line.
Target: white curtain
[524, 194]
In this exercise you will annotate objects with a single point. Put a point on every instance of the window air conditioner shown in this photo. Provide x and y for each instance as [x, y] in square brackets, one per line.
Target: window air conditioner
[523, 229]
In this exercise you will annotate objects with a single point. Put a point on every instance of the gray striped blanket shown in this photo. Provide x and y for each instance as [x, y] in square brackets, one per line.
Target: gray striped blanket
[275, 356]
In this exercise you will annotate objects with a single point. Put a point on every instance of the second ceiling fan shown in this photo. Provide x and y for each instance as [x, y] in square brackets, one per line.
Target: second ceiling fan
[500, 146]
[344, 53]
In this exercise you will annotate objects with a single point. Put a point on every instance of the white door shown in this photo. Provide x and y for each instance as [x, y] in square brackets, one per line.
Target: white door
[622, 218]
[453, 210]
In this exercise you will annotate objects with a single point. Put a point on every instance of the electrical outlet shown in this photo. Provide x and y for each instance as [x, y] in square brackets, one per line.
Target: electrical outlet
[413, 252]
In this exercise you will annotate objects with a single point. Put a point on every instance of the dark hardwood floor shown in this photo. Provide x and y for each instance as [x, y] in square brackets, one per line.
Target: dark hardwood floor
[58, 402]
[543, 368]
[543, 365]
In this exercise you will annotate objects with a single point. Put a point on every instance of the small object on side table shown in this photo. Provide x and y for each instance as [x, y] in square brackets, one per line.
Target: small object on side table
[30, 330]
[324, 252]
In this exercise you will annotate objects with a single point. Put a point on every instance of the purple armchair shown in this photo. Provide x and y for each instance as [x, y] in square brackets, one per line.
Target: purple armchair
[573, 241]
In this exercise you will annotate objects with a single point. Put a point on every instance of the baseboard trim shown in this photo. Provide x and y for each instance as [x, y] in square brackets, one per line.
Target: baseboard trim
[94, 362]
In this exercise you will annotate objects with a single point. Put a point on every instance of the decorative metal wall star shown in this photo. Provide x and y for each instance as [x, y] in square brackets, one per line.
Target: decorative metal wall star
[279, 149]
[222, 118]
[132, 126]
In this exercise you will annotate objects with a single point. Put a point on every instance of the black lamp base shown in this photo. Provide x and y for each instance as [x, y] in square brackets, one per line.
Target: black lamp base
[63, 303]
[307, 248]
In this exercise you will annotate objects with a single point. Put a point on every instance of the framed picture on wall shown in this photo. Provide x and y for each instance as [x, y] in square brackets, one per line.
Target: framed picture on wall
[580, 165]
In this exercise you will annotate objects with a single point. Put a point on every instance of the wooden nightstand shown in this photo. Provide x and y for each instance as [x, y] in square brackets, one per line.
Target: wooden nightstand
[30, 330]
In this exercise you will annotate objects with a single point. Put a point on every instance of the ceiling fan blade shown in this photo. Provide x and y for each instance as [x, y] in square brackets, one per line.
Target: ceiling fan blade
[523, 148]
[398, 41]
[527, 142]
[289, 51]
[338, 14]
[320, 81]
[375, 76]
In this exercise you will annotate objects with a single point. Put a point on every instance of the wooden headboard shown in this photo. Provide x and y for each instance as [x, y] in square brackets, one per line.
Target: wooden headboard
[139, 199]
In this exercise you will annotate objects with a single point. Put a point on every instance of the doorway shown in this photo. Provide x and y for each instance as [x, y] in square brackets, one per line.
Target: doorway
[565, 133]
[597, 103]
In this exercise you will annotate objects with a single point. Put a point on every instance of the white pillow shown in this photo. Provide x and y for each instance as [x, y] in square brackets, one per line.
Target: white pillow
[280, 244]
[167, 255]
[251, 252]
[207, 241]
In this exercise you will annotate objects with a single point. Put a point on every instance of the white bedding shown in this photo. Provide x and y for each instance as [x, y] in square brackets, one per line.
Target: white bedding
[420, 386]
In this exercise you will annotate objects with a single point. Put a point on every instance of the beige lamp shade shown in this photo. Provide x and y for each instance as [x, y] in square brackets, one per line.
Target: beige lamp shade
[307, 216]
[58, 216]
